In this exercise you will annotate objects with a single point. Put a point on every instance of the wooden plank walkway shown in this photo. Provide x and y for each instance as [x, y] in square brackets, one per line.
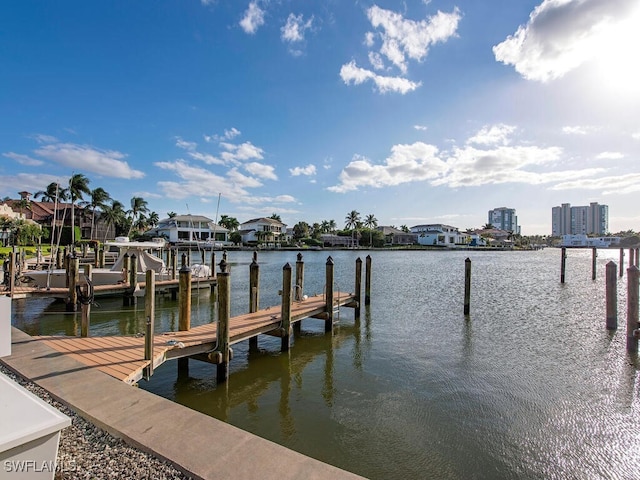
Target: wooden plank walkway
[122, 357]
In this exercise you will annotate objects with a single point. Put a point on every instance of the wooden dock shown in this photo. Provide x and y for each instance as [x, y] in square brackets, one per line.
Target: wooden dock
[122, 357]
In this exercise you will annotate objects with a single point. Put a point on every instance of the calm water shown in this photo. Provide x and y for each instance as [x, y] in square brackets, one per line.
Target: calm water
[530, 386]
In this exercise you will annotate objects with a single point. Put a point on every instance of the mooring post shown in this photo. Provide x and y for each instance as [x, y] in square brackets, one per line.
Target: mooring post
[85, 320]
[101, 258]
[150, 314]
[133, 280]
[467, 286]
[213, 264]
[621, 262]
[254, 295]
[367, 281]
[594, 255]
[299, 288]
[612, 296]
[174, 264]
[358, 287]
[74, 278]
[184, 309]
[224, 313]
[328, 323]
[285, 309]
[12, 272]
[563, 263]
[633, 327]
[59, 257]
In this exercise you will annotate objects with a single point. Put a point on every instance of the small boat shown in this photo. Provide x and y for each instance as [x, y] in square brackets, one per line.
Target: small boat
[145, 257]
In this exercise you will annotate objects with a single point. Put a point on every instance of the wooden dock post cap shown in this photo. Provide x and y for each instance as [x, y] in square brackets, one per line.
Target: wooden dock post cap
[223, 266]
[299, 256]
[329, 260]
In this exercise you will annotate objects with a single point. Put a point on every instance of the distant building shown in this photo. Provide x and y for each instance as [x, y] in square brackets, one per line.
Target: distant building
[581, 240]
[395, 236]
[264, 230]
[504, 218]
[190, 229]
[582, 220]
[439, 235]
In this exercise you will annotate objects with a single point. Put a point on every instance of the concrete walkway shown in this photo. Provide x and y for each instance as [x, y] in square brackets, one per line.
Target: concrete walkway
[197, 444]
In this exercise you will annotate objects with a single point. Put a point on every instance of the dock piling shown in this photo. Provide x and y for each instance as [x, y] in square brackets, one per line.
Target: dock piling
[285, 310]
[367, 281]
[85, 321]
[594, 255]
[328, 323]
[467, 286]
[149, 313]
[621, 262]
[184, 306]
[358, 288]
[633, 327]
[254, 295]
[563, 263]
[73, 278]
[612, 296]
[224, 314]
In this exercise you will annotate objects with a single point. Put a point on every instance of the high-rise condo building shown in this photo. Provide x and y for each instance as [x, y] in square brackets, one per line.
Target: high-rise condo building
[505, 219]
[586, 220]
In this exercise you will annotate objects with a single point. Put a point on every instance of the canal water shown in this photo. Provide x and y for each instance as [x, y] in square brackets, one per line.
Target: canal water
[530, 385]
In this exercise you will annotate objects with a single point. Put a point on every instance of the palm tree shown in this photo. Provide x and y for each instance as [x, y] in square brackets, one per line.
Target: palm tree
[275, 216]
[112, 215]
[153, 219]
[352, 220]
[230, 223]
[138, 207]
[371, 222]
[52, 193]
[172, 214]
[78, 186]
[98, 198]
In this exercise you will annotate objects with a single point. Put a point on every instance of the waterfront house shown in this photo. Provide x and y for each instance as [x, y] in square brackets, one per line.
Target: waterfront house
[339, 241]
[582, 240]
[264, 230]
[394, 236]
[439, 235]
[190, 229]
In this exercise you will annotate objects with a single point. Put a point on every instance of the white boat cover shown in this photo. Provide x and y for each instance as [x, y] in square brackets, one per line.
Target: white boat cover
[145, 261]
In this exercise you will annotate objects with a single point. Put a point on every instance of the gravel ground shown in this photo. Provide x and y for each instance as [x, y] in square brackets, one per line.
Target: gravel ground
[87, 452]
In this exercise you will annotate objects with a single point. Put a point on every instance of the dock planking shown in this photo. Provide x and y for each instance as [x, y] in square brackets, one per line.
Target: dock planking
[122, 357]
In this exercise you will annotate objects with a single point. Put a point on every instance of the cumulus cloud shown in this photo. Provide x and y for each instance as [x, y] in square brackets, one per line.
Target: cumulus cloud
[421, 128]
[351, 74]
[486, 158]
[189, 146]
[610, 156]
[401, 40]
[562, 35]
[206, 158]
[244, 151]
[621, 185]
[261, 170]
[253, 18]
[308, 170]
[575, 130]
[41, 138]
[493, 135]
[229, 134]
[293, 31]
[109, 163]
[23, 159]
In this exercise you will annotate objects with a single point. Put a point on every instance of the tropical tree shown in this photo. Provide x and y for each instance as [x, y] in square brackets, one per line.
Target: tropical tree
[352, 221]
[404, 228]
[113, 215]
[371, 222]
[275, 216]
[138, 208]
[23, 204]
[153, 219]
[230, 223]
[172, 214]
[300, 230]
[488, 226]
[78, 186]
[98, 198]
[53, 193]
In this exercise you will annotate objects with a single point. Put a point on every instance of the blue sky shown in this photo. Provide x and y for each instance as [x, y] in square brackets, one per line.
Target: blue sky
[416, 112]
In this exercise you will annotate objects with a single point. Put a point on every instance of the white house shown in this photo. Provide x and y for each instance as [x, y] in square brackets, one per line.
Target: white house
[190, 229]
[266, 230]
[582, 240]
[439, 235]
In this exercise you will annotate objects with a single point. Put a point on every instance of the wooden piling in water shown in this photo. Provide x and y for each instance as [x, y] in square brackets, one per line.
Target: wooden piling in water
[133, 281]
[174, 264]
[358, 287]
[254, 295]
[328, 323]
[299, 286]
[633, 326]
[224, 315]
[73, 278]
[59, 257]
[149, 313]
[184, 309]
[285, 310]
[621, 269]
[594, 255]
[563, 263]
[612, 296]
[213, 263]
[367, 281]
[85, 321]
[467, 286]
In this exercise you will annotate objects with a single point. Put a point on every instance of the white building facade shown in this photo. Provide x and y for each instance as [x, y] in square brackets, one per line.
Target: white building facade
[439, 235]
[264, 230]
[191, 229]
[581, 220]
[504, 218]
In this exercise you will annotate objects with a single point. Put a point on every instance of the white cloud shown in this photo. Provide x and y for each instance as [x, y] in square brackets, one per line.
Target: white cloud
[563, 34]
[403, 38]
[493, 135]
[109, 163]
[621, 185]
[352, 74]
[206, 158]
[23, 159]
[308, 170]
[261, 170]
[635, 136]
[189, 146]
[244, 151]
[375, 59]
[40, 138]
[293, 31]
[575, 130]
[253, 18]
[31, 182]
[422, 128]
[610, 156]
